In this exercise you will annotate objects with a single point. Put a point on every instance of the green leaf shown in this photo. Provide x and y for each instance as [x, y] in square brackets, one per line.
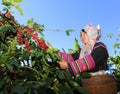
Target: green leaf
[76, 45]
[19, 90]
[12, 3]
[39, 54]
[65, 89]
[5, 57]
[17, 1]
[69, 31]
[115, 45]
[6, 3]
[18, 8]
[60, 74]
[30, 22]
[71, 51]
[27, 35]
[81, 90]
[77, 87]
[33, 63]
[14, 62]
[110, 35]
[4, 29]
[10, 67]
[13, 45]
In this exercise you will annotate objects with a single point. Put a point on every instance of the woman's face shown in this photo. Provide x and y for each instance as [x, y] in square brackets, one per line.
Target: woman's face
[84, 37]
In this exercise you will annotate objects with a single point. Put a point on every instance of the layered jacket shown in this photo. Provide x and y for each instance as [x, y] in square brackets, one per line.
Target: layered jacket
[93, 62]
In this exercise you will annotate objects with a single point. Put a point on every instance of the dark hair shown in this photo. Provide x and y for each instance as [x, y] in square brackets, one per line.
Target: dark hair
[83, 30]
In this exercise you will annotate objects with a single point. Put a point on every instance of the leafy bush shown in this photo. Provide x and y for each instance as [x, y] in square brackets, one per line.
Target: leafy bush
[115, 60]
[27, 65]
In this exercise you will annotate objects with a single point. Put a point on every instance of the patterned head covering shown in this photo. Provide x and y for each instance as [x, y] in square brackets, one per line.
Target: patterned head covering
[94, 34]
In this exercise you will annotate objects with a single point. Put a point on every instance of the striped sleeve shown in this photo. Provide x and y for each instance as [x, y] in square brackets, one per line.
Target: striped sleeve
[81, 65]
[66, 57]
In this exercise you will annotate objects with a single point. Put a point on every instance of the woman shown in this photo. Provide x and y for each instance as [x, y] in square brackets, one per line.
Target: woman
[92, 57]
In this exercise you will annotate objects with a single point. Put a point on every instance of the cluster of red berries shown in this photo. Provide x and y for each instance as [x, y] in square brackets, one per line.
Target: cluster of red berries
[42, 44]
[20, 37]
[2, 22]
[8, 14]
[22, 40]
[34, 36]
[22, 30]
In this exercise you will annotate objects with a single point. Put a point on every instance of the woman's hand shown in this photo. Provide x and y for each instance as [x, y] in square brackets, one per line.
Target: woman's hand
[63, 64]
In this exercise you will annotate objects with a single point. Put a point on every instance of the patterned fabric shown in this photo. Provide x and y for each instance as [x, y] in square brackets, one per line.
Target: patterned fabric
[82, 65]
[93, 62]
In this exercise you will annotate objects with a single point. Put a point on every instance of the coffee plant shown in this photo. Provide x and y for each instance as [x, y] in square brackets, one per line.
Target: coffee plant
[27, 64]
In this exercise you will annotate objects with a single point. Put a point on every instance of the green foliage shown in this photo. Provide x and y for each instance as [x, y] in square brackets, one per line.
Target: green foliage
[12, 3]
[37, 27]
[69, 31]
[116, 59]
[76, 44]
[110, 35]
[27, 65]
[76, 47]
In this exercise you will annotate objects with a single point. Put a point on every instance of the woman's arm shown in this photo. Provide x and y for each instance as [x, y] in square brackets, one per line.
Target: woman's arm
[96, 59]
[65, 57]
[81, 65]
[69, 57]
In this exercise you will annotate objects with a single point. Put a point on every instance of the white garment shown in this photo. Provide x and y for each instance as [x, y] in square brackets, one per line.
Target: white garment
[101, 72]
[92, 33]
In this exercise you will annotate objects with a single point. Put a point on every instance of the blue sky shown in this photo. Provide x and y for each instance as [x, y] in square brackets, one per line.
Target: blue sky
[72, 14]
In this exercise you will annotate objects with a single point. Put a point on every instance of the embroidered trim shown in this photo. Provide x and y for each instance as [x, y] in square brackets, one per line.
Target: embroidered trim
[100, 44]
